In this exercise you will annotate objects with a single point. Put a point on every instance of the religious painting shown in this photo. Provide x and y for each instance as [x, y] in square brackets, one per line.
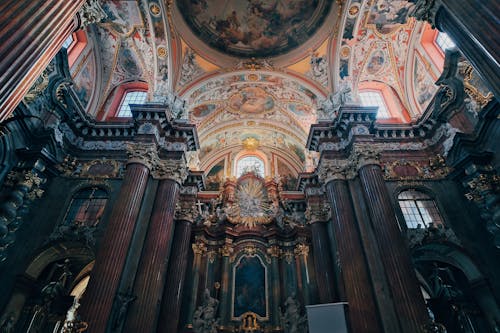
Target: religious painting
[252, 100]
[250, 287]
[388, 15]
[129, 61]
[254, 28]
[288, 178]
[215, 177]
[375, 62]
[424, 86]
[84, 82]
[203, 110]
[122, 16]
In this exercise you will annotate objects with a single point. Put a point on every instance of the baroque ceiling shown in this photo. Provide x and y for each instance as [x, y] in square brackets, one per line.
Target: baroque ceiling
[256, 70]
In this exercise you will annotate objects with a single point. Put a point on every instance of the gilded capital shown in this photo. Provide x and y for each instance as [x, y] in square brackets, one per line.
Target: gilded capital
[274, 251]
[199, 248]
[301, 250]
[142, 153]
[227, 250]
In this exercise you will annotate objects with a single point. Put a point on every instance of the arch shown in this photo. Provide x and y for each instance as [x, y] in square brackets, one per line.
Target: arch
[248, 153]
[397, 111]
[117, 97]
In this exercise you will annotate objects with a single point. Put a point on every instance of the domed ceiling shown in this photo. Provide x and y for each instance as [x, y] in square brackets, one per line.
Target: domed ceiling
[254, 28]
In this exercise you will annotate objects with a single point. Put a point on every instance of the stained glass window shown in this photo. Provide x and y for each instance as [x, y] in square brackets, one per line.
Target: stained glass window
[250, 164]
[131, 97]
[374, 98]
[418, 209]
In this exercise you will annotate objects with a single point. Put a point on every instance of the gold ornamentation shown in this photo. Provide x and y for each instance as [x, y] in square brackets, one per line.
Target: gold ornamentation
[329, 170]
[288, 255]
[353, 10]
[199, 248]
[301, 250]
[482, 184]
[274, 251]
[162, 52]
[211, 255]
[250, 143]
[155, 9]
[365, 154]
[250, 250]
[467, 71]
[227, 250]
[434, 168]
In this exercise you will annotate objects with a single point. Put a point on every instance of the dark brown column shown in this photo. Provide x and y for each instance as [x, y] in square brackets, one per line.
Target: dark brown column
[323, 263]
[31, 33]
[105, 277]
[172, 295]
[363, 314]
[151, 273]
[395, 255]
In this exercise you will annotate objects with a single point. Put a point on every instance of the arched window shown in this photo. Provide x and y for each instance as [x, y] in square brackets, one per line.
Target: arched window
[418, 209]
[375, 98]
[74, 45]
[87, 207]
[250, 164]
[130, 97]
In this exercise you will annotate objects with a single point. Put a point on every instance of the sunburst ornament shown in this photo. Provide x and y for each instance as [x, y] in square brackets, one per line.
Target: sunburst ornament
[251, 206]
[251, 143]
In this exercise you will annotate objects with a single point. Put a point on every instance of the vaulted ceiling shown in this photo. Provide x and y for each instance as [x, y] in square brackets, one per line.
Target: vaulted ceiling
[257, 69]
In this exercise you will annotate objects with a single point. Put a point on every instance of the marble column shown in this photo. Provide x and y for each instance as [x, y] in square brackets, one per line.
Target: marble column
[274, 252]
[395, 255]
[225, 301]
[199, 249]
[31, 34]
[151, 273]
[363, 314]
[100, 294]
[469, 23]
[172, 295]
[302, 254]
[317, 217]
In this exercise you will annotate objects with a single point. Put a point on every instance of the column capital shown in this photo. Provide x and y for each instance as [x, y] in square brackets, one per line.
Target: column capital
[334, 169]
[175, 170]
[91, 12]
[318, 212]
[142, 153]
[426, 10]
[186, 210]
[364, 154]
[301, 250]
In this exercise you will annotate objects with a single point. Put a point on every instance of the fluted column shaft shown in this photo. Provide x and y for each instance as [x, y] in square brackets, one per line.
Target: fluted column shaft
[31, 33]
[275, 285]
[358, 289]
[199, 249]
[225, 305]
[105, 278]
[404, 287]
[152, 269]
[303, 274]
[323, 263]
[172, 294]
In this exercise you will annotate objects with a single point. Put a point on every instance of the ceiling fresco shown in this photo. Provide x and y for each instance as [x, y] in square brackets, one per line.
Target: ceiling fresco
[257, 69]
[254, 28]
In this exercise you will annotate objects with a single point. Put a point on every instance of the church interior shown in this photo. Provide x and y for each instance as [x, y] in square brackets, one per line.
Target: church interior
[204, 166]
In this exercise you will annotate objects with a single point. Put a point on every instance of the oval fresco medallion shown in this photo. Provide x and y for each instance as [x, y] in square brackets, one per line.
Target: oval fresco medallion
[251, 100]
[254, 28]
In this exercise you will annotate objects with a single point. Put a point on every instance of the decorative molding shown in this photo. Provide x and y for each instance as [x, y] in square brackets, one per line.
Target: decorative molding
[426, 10]
[318, 212]
[199, 248]
[142, 153]
[335, 169]
[301, 250]
[91, 12]
[432, 169]
[365, 154]
[176, 170]
[186, 210]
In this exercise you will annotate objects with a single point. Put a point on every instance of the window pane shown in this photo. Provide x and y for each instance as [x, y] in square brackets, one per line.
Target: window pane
[250, 164]
[411, 214]
[444, 41]
[418, 208]
[67, 43]
[372, 98]
[131, 97]
[87, 207]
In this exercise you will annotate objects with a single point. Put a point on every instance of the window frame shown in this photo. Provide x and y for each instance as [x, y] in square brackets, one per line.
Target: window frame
[430, 198]
[111, 113]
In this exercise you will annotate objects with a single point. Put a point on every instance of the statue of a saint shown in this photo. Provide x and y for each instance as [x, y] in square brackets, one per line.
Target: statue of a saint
[291, 319]
[204, 320]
